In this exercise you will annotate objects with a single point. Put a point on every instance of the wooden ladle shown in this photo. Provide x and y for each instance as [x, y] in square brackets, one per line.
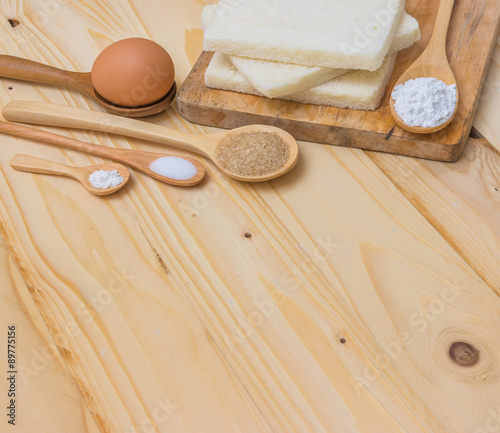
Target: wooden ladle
[32, 164]
[207, 145]
[28, 70]
[138, 159]
[432, 63]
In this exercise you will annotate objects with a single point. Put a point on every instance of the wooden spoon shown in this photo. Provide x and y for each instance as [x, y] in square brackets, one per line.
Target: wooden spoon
[33, 164]
[206, 145]
[27, 70]
[432, 63]
[138, 159]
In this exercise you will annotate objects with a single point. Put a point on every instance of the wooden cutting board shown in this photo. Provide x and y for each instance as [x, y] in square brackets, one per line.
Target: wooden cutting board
[471, 38]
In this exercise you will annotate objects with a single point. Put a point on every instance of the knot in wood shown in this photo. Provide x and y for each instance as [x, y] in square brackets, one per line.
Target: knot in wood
[13, 22]
[464, 354]
[248, 234]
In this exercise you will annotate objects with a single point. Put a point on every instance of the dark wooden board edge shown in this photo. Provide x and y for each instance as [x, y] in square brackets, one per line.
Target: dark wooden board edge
[219, 115]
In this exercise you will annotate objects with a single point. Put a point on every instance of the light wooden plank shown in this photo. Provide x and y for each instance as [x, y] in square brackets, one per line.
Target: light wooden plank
[462, 201]
[320, 301]
[42, 384]
[142, 402]
[209, 295]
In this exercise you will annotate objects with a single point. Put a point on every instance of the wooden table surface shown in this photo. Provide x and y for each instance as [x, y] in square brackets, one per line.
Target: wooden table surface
[358, 293]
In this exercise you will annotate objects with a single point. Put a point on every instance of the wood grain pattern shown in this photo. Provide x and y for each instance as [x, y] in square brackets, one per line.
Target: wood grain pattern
[462, 202]
[473, 29]
[43, 381]
[321, 301]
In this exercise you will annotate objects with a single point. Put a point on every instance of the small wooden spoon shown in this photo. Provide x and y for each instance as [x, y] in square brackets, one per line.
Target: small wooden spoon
[33, 164]
[432, 63]
[138, 159]
[27, 70]
[44, 113]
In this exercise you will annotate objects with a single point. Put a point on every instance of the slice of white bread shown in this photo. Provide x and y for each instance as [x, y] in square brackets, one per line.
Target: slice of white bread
[275, 79]
[357, 90]
[348, 34]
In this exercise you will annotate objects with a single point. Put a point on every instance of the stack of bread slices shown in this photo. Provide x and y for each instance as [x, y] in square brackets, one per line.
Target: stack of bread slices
[325, 52]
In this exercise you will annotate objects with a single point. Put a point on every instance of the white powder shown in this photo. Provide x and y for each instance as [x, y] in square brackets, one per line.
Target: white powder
[425, 102]
[105, 178]
[174, 167]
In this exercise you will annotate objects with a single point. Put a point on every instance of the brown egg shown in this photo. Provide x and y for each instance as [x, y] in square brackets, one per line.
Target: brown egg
[133, 72]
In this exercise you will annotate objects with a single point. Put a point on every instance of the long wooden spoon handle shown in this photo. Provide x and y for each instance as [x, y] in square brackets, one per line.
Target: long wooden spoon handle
[440, 32]
[28, 70]
[32, 164]
[138, 159]
[45, 113]
[60, 140]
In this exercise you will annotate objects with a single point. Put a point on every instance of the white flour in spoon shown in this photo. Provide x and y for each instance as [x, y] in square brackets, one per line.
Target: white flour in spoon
[425, 102]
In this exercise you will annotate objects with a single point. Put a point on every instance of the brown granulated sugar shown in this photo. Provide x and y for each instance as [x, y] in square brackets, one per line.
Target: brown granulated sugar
[253, 153]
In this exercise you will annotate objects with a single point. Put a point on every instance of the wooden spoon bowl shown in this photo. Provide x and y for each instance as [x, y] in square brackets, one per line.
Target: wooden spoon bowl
[28, 70]
[33, 164]
[432, 63]
[206, 145]
[228, 139]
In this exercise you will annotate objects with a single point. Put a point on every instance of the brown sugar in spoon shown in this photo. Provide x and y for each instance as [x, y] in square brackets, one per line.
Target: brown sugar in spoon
[251, 153]
[32, 164]
[432, 63]
[28, 70]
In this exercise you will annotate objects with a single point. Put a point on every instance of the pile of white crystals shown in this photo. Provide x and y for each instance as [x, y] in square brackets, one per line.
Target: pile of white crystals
[105, 179]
